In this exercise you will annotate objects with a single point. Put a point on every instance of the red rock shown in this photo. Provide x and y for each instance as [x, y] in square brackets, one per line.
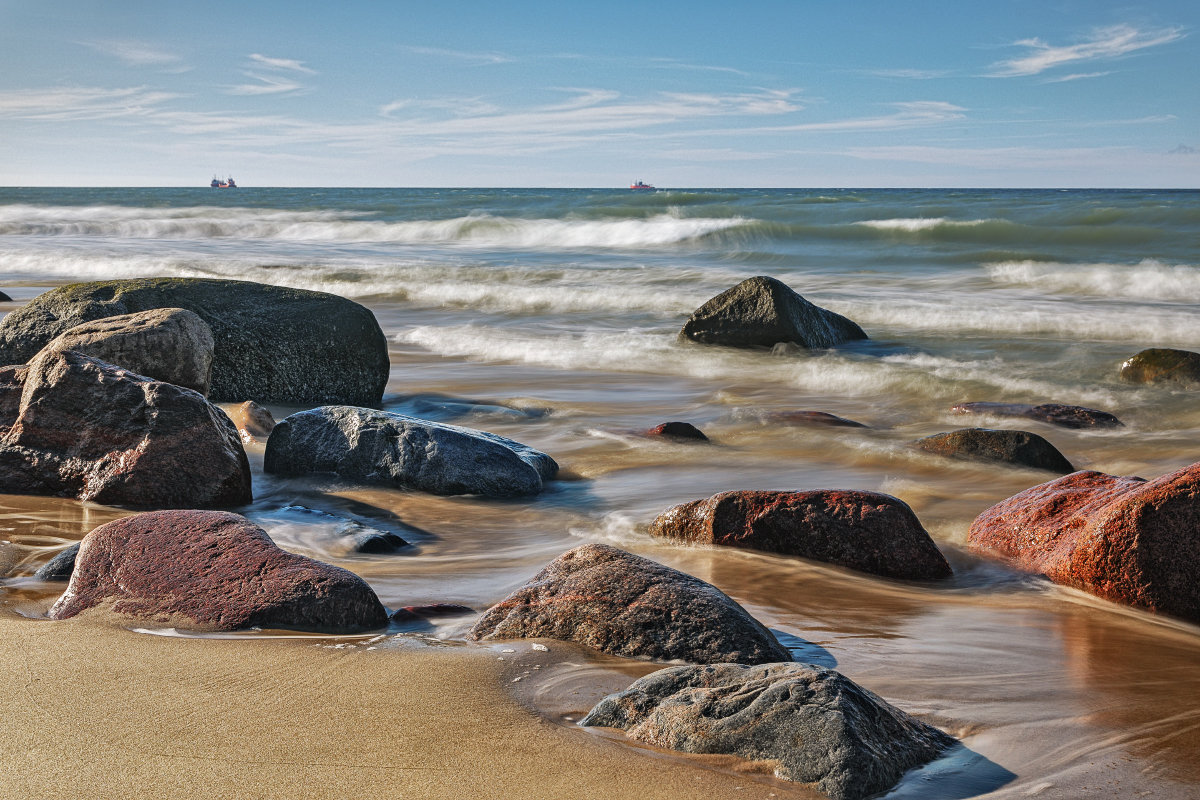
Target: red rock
[214, 571]
[865, 531]
[1127, 540]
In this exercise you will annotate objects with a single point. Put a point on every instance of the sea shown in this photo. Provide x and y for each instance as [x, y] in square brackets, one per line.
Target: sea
[551, 316]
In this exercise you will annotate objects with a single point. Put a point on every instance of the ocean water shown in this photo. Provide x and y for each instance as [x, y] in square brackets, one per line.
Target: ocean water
[551, 317]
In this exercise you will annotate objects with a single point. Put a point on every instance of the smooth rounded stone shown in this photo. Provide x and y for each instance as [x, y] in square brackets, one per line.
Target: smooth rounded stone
[211, 571]
[1019, 448]
[678, 431]
[1162, 365]
[4, 298]
[60, 567]
[74, 426]
[625, 605]
[812, 725]
[375, 542]
[252, 420]
[411, 614]
[1053, 413]
[1127, 540]
[167, 344]
[815, 418]
[380, 447]
[763, 311]
[273, 344]
[864, 531]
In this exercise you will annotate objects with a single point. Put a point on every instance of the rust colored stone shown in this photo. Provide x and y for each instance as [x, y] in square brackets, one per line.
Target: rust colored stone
[679, 431]
[865, 531]
[431, 611]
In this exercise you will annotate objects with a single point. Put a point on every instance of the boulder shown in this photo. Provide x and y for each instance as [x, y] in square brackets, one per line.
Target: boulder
[77, 427]
[864, 531]
[4, 298]
[811, 725]
[211, 571]
[1053, 413]
[678, 432]
[172, 345]
[408, 615]
[252, 420]
[60, 567]
[762, 312]
[1018, 448]
[629, 606]
[272, 344]
[814, 418]
[1162, 365]
[1127, 540]
[380, 447]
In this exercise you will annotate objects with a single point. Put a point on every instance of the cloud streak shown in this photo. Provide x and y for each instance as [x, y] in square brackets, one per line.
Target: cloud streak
[135, 53]
[1104, 43]
[81, 103]
[286, 64]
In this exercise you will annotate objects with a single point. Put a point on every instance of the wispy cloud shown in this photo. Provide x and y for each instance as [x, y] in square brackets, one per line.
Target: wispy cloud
[1078, 76]
[908, 74]
[907, 115]
[276, 83]
[80, 103]
[670, 63]
[490, 57]
[1103, 43]
[287, 64]
[265, 85]
[135, 53]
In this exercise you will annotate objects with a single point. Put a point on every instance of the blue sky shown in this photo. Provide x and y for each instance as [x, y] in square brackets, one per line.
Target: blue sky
[165, 93]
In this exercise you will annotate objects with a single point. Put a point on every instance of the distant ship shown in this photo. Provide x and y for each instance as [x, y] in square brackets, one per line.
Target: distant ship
[217, 183]
[640, 185]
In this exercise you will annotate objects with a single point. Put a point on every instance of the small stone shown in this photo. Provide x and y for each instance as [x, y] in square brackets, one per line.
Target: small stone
[60, 567]
[678, 431]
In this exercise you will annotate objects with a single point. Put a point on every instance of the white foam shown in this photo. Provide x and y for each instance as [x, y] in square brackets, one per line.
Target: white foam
[1149, 279]
[916, 224]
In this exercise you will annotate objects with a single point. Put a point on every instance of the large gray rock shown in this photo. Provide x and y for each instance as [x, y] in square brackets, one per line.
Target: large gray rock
[815, 725]
[380, 447]
[1018, 448]
[273, 344]
[763, 311]
[167, 344]
[626, 605]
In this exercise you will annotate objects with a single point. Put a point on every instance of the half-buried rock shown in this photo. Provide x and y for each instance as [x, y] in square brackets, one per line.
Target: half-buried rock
[211, 571]
[73, 426]
[1127, 540]
[380, 447]
[810, 725]
[1053, 413]
[626, 605]
[762, 312]
[1162, 365]
[1018, 448]
[865, 531]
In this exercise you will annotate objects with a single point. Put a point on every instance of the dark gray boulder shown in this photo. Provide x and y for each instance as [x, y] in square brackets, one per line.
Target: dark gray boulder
[380, 447]
[1162, 365]
[1018, 448]
[272, 344]
[763, 311]
[626, 605]
[815, 725]
[60, 567]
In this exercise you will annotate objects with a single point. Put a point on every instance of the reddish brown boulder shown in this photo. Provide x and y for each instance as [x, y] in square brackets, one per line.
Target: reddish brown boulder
[212, 571]
[1053, 413]
[1127, 540]
[74, 426]
[865, 531]
[678, 431]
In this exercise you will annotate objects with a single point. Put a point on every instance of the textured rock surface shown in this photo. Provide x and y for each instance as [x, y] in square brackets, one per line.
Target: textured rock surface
[380, 447]
[273, 344]
[214, 571]
[626, 605]
[1162, 365]
[60, 567]
[1124, 539]
[74, 426]
[763, 311]
[678, 431]
[252, 420]
[1053, 413]
[813, 725]
[167, 344]
[1019, 448]
[866, 531]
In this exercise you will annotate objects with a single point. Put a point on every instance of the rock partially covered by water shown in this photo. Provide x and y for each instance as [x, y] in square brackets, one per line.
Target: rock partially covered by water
[212, 571]
[379, 447]
[866, 531]
[629, 606]
[763, 311]
[252, 420]
[678, 432]
[812, 725]
[1162, 365]
[1018, 448]
[167, 344]
[60, 567]
[1053, 413]
[74, 426]
[272, 344]
[812, 418]
[1127, 540]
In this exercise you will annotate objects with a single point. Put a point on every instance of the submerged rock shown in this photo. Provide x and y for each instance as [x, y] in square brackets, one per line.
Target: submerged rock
[763, 311]
[811, 725]
[816, 418]
[1018, 448]
[60, 567]
[380, 447]
[1127, 540]
[678, 431]
[1053, 413]
[1162, 365]
[629, 606]
[866, 531]
[212, 571]
[410, 614]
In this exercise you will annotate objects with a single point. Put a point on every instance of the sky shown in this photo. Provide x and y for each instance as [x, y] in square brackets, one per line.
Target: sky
[805, 93]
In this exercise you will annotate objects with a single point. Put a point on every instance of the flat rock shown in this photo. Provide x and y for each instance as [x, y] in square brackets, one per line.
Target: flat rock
[626, 605]
[1162, 365]
[74, 426]
[1127, 540]
[813, 418]
[380, 447]
[678, 431]
[762, 312]
[211, 571]
[272, 344]
[812, 725]
[1018, 448]
[865, 531]
[1053, 413]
